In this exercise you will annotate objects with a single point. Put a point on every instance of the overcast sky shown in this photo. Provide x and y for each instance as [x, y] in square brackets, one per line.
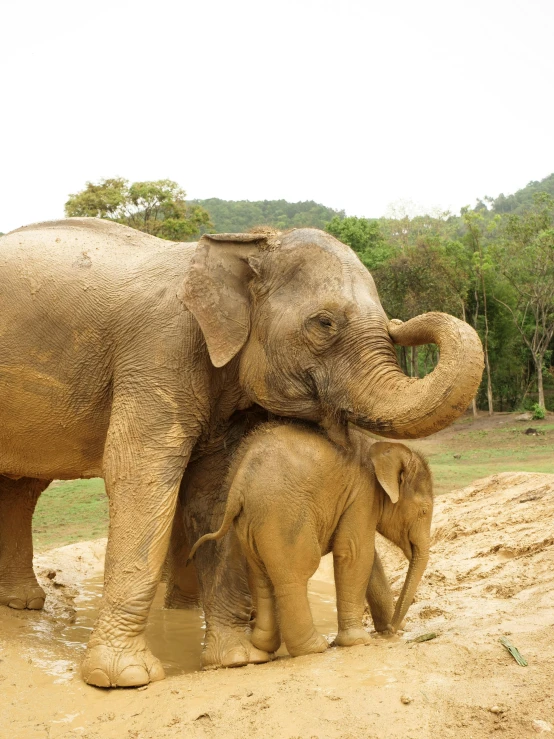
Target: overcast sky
[353, 103]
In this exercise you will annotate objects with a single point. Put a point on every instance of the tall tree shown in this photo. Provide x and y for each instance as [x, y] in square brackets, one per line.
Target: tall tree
[365, 237]
[526, 258]
[158, 208]
[476, 225]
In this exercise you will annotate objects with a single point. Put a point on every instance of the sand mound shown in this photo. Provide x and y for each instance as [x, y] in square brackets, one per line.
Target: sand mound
[491, 574]
[492, 562]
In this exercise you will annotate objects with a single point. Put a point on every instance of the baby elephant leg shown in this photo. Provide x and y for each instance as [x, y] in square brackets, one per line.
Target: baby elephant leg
[352, 560]
[289, 570]
[18, 585]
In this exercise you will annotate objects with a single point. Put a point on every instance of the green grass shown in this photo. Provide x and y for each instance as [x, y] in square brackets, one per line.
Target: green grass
[69, 511]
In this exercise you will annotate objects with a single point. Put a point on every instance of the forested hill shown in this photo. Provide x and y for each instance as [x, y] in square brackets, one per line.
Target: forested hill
[238, 216]
[523, 198]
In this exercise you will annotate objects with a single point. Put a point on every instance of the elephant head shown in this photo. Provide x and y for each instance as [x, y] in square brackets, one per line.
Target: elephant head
[406, 512]
[313, 341]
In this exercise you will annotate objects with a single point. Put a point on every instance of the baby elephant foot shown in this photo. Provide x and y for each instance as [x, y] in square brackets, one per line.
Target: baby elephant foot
[314, 645]
[268, 641]
[30, 596]
[229, 648]
[352, 637]
[108, 667]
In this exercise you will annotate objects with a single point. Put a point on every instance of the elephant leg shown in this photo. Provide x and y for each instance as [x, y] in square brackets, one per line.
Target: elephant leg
[266, 634]
[289, 570]
[142, 472]
[220, 566]
[183, 589]
[227, 603]
[379, 596]
[353, 562]
[18, 585]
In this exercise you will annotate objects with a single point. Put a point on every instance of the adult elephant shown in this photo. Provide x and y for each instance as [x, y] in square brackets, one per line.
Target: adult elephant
[120, 351]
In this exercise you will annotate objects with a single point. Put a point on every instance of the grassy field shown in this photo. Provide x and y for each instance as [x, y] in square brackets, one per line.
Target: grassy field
[77, 510]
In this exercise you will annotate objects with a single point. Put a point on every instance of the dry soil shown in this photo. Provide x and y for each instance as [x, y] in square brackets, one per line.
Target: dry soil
[491, 574]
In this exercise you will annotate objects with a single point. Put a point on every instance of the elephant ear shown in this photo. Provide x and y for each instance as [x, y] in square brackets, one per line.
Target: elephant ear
[390, 462]
[216, 290]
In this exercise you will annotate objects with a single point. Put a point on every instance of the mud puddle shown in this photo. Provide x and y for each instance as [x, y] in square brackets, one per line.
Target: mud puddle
[175, 636]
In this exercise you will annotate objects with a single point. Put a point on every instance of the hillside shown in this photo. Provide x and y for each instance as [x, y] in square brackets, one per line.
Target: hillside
[238, 216]
[523, 198]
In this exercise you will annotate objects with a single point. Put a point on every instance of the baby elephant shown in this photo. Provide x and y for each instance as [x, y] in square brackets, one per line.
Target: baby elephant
[295, 496]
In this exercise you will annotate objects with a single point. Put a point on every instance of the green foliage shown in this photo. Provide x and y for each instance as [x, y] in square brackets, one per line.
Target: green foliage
[522, 199]
[539, 413]
[157, 208]
[239, 216]
[365, 237]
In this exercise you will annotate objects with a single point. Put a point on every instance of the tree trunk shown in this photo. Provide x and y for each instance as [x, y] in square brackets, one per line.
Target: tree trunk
[415, 368]
[474, 407]
[540, 387]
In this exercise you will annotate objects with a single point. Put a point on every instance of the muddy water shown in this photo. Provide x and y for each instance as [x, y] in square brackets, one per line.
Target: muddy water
[175, 636]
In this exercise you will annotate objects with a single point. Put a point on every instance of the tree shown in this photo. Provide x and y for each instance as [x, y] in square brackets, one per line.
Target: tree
[236, 216]
[426, 276]
[365, 237]
[157, 208]
[475, 224]
[526, 258]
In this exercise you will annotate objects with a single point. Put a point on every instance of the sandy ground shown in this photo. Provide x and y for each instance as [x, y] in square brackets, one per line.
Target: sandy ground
[491, 574]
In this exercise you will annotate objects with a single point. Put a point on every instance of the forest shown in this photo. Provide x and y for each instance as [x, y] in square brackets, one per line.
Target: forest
[492, 266]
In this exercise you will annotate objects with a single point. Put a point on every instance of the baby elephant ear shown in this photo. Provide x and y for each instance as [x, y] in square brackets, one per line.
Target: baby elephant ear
[216, 291]
[389, 462]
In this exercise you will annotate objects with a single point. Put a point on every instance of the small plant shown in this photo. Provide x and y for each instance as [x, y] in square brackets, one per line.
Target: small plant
[538, 412]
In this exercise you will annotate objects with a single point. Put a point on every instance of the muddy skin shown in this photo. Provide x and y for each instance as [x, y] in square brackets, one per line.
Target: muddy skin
[120, 352]
[295, 496]
[18, 585]
[224, 589]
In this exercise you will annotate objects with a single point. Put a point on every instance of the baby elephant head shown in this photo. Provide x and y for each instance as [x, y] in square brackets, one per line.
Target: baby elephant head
[406, 480]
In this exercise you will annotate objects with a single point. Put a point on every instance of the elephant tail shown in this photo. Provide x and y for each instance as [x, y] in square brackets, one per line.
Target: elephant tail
[232, 510]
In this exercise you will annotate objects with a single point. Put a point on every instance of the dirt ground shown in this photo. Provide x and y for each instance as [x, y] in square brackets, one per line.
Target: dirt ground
[491, 574]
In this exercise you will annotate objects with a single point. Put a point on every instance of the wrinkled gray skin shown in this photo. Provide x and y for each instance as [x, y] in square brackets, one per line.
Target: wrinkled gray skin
[222, 586]
[295, 496]
[120, 352]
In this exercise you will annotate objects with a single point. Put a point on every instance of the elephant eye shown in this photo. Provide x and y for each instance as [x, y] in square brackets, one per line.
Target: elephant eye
[325, 321]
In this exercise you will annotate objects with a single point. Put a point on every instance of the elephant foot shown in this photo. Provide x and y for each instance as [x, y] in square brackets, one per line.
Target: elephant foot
[268, 641]
[229, 648]
[352, 637]
[314, 645]
[23, 595]
[177, 598]
[108, 667]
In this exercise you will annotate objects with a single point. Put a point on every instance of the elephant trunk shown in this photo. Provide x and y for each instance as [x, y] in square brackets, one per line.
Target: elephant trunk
[400, 407]
[418, 563]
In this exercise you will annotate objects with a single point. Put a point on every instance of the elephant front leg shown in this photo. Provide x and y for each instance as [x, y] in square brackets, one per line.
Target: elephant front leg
[142, 487]
[18, 585]
[352, 561]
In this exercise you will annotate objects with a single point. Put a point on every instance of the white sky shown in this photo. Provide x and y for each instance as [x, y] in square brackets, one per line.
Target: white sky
[352, 103]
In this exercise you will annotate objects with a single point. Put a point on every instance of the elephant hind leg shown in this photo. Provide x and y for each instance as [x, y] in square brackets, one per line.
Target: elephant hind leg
[18, 585]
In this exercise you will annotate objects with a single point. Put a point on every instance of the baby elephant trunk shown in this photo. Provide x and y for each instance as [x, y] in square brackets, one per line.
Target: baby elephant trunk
[417, 566]
[232, 510]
